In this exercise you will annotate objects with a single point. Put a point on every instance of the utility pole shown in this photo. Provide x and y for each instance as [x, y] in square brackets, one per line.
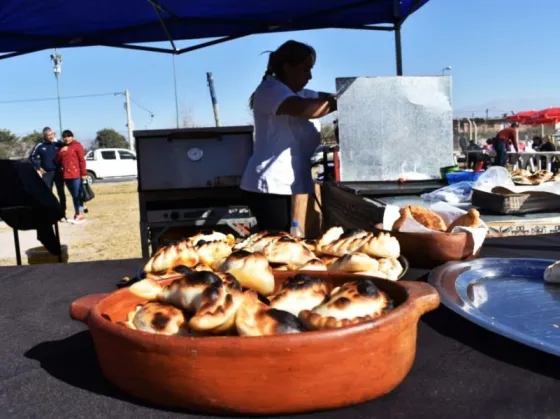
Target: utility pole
[129, 122]
[213, 98]
[56, 59]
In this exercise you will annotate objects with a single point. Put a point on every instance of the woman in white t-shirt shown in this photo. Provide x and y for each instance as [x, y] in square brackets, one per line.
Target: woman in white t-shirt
[285, 138]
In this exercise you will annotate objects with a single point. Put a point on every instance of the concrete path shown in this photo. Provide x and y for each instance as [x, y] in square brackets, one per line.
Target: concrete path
[69, 233]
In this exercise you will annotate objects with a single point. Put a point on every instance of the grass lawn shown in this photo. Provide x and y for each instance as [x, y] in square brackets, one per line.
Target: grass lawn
[110, 231]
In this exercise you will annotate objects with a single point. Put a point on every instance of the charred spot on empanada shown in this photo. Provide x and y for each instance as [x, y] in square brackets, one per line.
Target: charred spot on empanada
[286, 239]
[287, 322]
[240, 254]
[367, 288]
[204, 278]
[255, 318]
[160, 321]
[183, 270]
[230, 281]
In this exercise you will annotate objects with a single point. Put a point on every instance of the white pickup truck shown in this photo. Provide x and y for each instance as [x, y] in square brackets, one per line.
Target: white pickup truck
[107, 163]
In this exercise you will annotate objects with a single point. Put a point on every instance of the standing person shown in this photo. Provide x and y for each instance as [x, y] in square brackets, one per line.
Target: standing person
[502, 141]
[285, 138]
[71, 158]
[549, 146]
[42, 158]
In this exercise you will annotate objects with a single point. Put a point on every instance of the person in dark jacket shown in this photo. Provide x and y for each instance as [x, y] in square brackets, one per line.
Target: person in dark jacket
[71, 158]
[42, 158]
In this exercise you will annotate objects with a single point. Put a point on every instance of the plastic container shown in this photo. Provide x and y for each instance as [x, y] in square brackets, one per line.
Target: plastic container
[448, 169]
[295, 231]
[476, 175]
[457, 177]
[40, 255]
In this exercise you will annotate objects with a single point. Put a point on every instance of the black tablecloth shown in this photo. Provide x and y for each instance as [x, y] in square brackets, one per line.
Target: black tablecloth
[48, 367]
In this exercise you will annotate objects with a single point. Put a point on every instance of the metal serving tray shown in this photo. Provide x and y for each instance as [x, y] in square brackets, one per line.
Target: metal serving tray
[505, 296]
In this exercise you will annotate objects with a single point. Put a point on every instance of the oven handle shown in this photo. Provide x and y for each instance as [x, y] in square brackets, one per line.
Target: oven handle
[194, 136]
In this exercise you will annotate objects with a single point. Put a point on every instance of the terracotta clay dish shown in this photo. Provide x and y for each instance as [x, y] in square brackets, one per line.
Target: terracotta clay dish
[277, 374]
[431, 250]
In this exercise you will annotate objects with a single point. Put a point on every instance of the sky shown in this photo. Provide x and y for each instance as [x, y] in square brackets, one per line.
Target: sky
[503, 56]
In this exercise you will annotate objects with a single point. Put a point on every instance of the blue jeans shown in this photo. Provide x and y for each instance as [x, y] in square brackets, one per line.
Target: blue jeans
[73, 186]
[501, 153]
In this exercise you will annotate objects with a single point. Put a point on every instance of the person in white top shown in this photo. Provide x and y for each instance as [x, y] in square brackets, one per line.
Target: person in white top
[285, 136]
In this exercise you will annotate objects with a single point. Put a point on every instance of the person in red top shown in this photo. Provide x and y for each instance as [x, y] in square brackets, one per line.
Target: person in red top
[71, 158]
[502, 141]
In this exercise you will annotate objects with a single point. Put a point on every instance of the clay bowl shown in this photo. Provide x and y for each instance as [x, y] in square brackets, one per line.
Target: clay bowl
[260, 375]
[431, 250]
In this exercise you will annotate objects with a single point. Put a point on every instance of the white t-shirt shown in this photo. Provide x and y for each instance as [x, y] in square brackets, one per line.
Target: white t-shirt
[283, 145]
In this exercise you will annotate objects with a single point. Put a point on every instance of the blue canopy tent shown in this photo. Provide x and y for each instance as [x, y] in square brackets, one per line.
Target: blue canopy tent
[30, 25]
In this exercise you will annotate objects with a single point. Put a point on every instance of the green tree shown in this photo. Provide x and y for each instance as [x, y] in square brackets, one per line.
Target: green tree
[109, 138]
[32, 138]
[26, 143]
[8, 143]
[327, 134]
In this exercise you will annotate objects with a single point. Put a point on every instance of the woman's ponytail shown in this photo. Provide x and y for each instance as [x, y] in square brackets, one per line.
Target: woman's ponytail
[290, 52]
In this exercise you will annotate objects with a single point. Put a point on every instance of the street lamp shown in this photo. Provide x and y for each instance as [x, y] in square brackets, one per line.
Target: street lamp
[56, 59]
[448, 68]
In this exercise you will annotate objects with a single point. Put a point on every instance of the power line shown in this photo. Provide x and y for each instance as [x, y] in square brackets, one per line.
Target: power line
[45, 99]
[143, 107]
[62, 97]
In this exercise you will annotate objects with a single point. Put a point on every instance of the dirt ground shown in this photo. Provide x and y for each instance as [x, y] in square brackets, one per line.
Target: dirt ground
[110, 231]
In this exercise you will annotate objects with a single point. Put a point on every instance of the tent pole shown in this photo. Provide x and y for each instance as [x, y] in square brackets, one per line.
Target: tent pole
[397, 27]
[398, 49]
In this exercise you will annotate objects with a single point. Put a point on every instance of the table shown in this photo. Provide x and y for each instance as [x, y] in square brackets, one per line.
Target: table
[525, 158]
[49, 369]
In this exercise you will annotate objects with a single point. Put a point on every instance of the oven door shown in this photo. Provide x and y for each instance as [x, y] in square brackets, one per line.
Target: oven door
[187, 160]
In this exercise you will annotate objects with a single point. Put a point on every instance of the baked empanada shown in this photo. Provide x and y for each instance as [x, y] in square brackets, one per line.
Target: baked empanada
[300, 292]
[252, 270]
[255, 318]
[424, 216]
[158, 318]
[354, 302]
[470, 219]
[355, 262]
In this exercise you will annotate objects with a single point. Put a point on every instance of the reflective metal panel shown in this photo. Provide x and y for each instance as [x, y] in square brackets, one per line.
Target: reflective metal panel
[389, 126]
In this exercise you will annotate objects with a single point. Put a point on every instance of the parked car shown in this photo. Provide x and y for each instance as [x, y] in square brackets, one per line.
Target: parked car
[109, 163]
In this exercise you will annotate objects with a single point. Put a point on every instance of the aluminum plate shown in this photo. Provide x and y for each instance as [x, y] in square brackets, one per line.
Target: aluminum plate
[506, 296]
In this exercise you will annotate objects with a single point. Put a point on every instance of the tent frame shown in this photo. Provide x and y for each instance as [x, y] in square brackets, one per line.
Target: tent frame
[267, 27]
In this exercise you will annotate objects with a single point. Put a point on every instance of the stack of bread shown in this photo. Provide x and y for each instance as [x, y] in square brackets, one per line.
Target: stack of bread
[203, 303]
[433, 221]
[354, 251]
[525, 177]
[224, 287]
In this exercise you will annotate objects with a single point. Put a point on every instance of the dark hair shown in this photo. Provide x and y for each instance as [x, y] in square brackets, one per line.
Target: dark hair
[290, 52]
[515, 125]
[67, 133]
[46, 129]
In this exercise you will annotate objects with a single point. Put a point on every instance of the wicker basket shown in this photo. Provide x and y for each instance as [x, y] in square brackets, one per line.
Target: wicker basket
[506, 202]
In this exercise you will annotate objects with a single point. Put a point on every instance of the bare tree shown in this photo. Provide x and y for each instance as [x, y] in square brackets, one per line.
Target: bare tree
[186, 119]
